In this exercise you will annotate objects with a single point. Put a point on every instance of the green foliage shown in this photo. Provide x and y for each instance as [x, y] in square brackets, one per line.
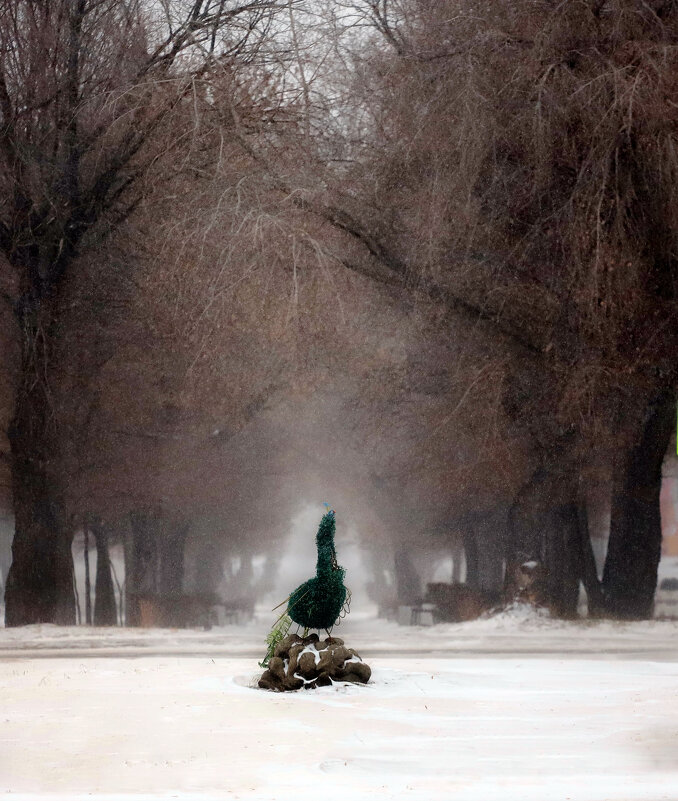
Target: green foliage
[275, 635]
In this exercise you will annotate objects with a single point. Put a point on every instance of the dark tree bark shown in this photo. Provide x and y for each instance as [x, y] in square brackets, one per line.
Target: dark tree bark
[525, 529]
[39, 585]
[491, 535]
[131, 603]
[634, 547]
[171, 579]
[548, 523]
[88, 583]
[105, 609]
[484, 542]
[472, 555]
[145, 528]
[408, 581]
[562, 558]
[141, 564]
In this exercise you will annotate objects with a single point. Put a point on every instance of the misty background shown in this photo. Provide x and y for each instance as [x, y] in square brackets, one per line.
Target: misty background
[258, 257]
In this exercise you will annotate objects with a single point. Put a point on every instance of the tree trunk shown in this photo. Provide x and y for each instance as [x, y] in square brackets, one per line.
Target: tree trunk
[634, 547]
[141, 563]
[39, 585]
[105, 609]
[490, 534]
[548, 524]
[408, 582]
[154, 567]
[171, 579]
[562, 559]
[525, 521]
[88, 583]
[472, 557]
[131, 603]
[525, 531]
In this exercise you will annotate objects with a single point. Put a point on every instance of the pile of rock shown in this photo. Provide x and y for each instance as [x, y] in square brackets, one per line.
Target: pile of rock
[308, 662]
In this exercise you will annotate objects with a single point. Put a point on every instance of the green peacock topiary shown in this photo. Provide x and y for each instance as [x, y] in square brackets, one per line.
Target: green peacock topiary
[318, 602]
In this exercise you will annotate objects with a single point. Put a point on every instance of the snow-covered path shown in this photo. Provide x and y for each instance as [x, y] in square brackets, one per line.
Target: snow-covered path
[583, 713]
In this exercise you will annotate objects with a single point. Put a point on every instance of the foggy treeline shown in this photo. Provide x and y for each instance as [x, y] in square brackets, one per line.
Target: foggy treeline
[414, 258]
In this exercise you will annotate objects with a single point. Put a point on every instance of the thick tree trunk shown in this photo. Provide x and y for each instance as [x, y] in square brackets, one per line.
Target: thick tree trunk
[562, 558]
[525, 532]
[634, 547]
[141, 563]
[105, 610]
[548, 524]
[525, 521]
[171, 579]
[491, 538]
[484, 544]
[39, 585]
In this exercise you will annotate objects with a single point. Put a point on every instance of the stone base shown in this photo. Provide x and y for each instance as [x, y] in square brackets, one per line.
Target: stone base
[309, 662]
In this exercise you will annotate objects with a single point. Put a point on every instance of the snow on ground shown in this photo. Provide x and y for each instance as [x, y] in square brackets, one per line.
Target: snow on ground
[518, 706]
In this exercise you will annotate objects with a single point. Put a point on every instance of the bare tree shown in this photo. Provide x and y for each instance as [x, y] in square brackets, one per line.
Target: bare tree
[516, 165]
[87, 96]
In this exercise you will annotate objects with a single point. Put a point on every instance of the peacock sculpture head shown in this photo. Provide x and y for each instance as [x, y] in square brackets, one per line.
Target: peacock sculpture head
[326, 529]
[327, 554]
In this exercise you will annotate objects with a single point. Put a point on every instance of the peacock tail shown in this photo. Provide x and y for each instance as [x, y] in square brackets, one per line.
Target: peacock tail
[275, 635]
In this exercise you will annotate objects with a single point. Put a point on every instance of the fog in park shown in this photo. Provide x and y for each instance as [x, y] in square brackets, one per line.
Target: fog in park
[339, 341]
[256, 258]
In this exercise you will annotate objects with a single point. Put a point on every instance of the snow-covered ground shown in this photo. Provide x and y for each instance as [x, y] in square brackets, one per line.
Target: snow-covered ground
[514, 707]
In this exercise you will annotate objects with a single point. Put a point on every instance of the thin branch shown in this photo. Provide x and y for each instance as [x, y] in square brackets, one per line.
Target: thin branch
[389, 268]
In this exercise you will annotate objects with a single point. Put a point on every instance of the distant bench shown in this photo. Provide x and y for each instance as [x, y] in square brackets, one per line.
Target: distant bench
[189, 611]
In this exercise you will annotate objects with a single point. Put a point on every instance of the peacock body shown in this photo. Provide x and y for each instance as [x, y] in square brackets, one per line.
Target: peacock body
[318, 602]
